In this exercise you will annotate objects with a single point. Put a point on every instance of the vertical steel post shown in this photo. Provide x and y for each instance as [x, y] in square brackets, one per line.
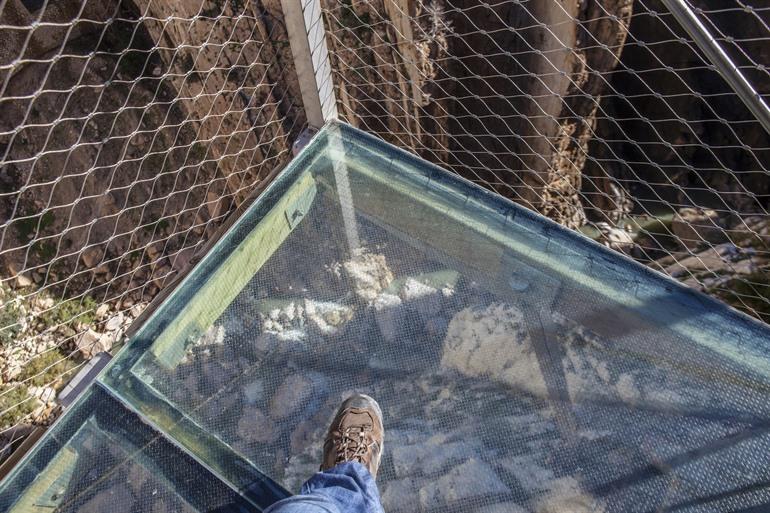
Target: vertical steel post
[304, 24]
[305, 28]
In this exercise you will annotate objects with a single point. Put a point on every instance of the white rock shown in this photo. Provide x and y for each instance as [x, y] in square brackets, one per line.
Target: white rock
[45, 302]
[369, 274]
[423, 298]
[471, 480]
[614, 237]
[136, 310]
[102, 310]
[493, 342]
[46, 394]
[565, 494]
[88, 344]
[327, 317]
[106, 340]
[114, 322]
[22, 280]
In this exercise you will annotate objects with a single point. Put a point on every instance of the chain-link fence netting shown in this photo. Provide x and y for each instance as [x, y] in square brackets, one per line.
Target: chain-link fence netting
[128, 131]
[604, 115]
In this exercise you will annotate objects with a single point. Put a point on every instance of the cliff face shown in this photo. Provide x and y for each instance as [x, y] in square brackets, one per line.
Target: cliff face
[506, 95]
[128, 137]
[128, 131]
[600, 114]
[582, 110]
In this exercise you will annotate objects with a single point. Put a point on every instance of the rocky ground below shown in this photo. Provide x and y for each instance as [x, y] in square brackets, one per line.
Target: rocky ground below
[44, 341]
[473, 420]
[727, 259]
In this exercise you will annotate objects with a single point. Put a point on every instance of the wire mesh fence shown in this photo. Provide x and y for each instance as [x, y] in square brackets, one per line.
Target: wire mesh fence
[128, 131]
[604, 115]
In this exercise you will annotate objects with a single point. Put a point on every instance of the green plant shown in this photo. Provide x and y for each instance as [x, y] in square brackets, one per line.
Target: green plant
[69, 312]
[46, 368]
[18, 402]
[32, 226]
[10, 328]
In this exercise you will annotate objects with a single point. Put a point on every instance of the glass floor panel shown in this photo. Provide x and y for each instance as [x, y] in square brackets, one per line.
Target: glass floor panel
[102, 458]
[520, 366]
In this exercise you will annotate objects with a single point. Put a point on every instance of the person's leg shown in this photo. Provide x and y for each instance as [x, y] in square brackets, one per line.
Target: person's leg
[352, 453]
[346, 488]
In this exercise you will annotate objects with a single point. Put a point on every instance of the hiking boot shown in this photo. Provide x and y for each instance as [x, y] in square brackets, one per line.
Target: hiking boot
[356, 434]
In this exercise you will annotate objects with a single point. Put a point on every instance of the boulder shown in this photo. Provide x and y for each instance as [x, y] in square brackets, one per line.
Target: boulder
[493, 342]
[90, 343]
[473, 479]
[695, 226]
[255, 426]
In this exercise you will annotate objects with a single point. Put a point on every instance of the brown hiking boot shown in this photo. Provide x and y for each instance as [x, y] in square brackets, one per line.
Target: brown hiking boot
[356, 434]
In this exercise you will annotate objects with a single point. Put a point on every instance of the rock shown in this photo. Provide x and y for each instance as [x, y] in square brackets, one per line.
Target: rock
[390, 316]
[399, 494]
[115, 322]
[327, 317]
[713, 260]
[493, 342]
[102, 310]
[213, 336]
[291, 396]
[182, 260]
[91, 257]
[565, 494]
[694, 226]
[368, 273]
[89, 344]
[432, 457]
[423, 298]
[46, 394]
[22, 281]
[472, 480]
[614, 237]
[45, 302]
[501, 507]
[106, 341]
[253, 392]
[255, 426]
[529, 471]
[586, 370]
[136, 310]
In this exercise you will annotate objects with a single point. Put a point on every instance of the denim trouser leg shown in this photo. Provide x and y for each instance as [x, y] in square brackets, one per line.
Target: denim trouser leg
[346, 488]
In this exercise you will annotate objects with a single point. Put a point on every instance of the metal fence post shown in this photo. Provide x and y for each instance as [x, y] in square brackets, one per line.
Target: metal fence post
[305, 28]
[304, 24]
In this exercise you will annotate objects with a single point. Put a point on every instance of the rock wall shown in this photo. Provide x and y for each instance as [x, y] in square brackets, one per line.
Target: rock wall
[127, 139]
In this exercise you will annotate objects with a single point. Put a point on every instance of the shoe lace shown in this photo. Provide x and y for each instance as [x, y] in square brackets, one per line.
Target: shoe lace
[353, 444]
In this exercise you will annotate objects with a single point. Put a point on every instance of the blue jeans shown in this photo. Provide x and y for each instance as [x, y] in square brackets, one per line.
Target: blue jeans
[346, 488]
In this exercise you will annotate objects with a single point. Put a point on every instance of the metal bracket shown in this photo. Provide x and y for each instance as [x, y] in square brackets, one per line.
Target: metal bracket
[83, 378]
